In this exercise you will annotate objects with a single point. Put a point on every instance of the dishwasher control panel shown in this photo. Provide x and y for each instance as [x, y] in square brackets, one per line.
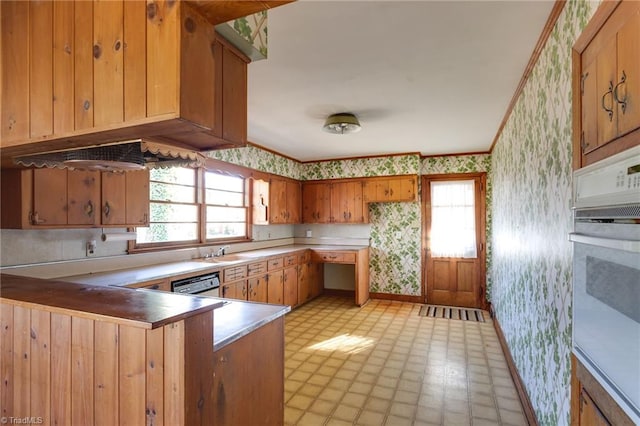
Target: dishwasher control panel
[195, 285]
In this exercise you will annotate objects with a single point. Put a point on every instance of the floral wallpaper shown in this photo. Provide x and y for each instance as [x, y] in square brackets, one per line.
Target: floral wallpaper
[531, 261]
[249, 34]
[362, 167]
[395, 264]
[259, 159]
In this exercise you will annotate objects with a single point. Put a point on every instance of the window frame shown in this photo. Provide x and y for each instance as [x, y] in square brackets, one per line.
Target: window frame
[214, 166]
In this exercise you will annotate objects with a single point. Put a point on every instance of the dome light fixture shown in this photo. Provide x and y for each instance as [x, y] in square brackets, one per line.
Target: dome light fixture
[342, 123]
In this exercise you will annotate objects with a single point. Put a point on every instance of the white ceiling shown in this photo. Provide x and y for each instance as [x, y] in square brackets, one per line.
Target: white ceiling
[434, 77]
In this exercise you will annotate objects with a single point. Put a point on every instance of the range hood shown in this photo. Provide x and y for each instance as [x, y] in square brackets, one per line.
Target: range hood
[124, 156]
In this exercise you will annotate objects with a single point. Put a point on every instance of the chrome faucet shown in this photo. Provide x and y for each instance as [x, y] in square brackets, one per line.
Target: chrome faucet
[221, 251]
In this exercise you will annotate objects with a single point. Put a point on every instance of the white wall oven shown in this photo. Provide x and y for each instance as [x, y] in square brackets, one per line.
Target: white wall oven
[606, 275]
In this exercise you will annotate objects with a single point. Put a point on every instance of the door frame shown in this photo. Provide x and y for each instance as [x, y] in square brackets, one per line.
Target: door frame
[481, 222]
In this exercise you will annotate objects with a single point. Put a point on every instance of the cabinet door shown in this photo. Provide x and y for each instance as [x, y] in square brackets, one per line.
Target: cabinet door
[605, 82]
[137, 197]
[257, 289]
[589, 136]
[590, 415]
[49, 197]
[260, 202]
[290, 286]
[278, 201]
[234, 97]
[275, 289]
[84, 197]
[316, 202]
[293, 202]
[402, 189]
[304, 290]
[113, 198]
[316, 282]
[235, 290]
[628, 67]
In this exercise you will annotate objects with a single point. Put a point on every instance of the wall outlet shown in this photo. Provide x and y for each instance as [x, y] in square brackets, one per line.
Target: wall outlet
[91, 248]
[309, 234]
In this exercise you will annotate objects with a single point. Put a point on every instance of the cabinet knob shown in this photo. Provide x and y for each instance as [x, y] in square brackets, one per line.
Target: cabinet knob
[88, 208]
[107, 209]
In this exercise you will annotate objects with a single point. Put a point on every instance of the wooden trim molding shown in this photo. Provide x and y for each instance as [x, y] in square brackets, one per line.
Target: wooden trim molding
[399, 154]
[535, 55]
[457, 154]
[397, 297]
[527, 407]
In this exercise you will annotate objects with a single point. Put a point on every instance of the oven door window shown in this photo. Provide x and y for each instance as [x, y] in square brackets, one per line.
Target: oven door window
[606, 327]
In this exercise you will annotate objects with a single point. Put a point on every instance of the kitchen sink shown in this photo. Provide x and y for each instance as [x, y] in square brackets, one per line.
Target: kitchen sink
[226, 259]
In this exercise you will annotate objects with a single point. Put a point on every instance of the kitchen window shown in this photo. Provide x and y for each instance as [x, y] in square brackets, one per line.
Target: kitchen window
[194, 206]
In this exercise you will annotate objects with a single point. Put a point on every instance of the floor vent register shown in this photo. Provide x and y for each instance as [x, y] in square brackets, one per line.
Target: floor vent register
[448, 312]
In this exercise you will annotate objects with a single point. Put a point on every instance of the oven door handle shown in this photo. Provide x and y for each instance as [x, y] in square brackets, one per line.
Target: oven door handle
[616, 244]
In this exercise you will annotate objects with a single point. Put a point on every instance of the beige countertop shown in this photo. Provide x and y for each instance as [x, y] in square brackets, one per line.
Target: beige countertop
[129, 276]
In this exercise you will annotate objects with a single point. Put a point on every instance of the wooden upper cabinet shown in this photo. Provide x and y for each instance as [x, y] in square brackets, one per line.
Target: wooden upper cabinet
[390, 189]
[316, 199]
[276, 201]
[83, 196]
[50, 198]
[85, 73]
[606, 83]
[346, 202]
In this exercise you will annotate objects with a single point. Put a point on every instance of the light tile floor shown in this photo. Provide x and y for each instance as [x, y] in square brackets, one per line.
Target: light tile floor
[385, 365]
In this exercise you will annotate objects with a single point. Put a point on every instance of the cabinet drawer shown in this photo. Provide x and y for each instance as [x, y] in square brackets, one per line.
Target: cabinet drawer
[334, 257]
[235, 273]
[304, 257]
[276, 263]
[256, 268]
[290, 260]
[162, 284]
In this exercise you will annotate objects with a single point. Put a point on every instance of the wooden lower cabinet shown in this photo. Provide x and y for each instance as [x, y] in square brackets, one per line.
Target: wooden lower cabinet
[591, 405]
[275, 287]
[248, 378]
[257, 289]
[234, 290]
[290, 285]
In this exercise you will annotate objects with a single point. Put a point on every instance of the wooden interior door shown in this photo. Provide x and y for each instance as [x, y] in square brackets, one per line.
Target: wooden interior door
[455, 281]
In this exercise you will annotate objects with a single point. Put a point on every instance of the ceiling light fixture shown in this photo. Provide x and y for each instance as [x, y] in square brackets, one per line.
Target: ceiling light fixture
[341, 123]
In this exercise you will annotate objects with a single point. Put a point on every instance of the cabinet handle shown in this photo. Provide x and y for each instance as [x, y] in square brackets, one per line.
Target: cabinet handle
[583, 143]
[145, 219]
[604, 107]
[349, 215]
[623, 80]
[88, 209]
[344, 215]
[35, 219]
[391, 192]
[107, 209]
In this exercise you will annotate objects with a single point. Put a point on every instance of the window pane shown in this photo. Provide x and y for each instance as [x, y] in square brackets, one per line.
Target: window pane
[225, 230]
[453, 227]
[224, 198]
[179, 175]
[171, 192]
[167, 232]
[163, 212]
[218, 181]
[226, 214]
